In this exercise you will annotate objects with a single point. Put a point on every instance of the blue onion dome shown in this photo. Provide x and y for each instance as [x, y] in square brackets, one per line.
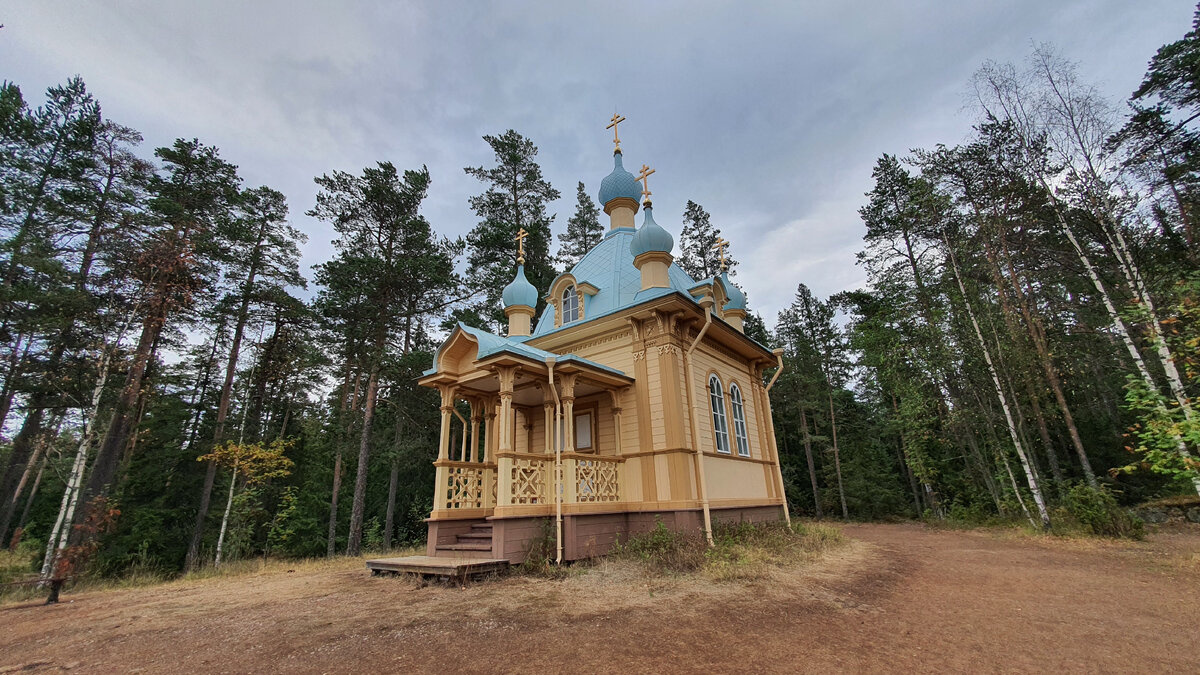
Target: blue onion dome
[619, 183]
[520, 291]
[737, 299]
[650, 237]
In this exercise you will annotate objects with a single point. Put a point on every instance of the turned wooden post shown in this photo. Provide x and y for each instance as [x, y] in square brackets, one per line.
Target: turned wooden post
[504, 428]
[567, 396]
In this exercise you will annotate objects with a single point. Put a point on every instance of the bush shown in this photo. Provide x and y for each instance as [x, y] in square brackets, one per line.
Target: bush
[1098, 511]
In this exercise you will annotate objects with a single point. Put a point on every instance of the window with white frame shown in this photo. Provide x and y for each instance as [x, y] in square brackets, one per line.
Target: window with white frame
[739, 421]
[716, 396]
[570, 305]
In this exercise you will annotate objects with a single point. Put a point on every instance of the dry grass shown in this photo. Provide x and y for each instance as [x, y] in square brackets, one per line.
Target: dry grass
[740, 551]
[138, 577]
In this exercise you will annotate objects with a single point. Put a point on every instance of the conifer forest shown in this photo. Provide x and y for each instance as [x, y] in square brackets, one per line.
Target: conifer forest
[177, 391]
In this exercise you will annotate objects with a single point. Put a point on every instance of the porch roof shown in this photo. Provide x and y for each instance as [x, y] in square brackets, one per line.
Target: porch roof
[491, 345]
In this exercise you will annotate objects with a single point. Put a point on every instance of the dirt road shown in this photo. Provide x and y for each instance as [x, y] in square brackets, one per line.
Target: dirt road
[897, 598]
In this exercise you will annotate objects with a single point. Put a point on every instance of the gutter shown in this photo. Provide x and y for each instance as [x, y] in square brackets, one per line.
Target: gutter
[706, 302]
[787, 515]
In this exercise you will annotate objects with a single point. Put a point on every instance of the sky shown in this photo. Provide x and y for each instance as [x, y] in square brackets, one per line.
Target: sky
[770, 114]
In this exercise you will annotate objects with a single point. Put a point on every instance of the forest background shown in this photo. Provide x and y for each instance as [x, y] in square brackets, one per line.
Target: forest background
[173, 393]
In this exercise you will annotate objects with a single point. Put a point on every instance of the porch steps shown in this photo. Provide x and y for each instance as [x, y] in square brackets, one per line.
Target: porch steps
[459, 569]
[475, 544]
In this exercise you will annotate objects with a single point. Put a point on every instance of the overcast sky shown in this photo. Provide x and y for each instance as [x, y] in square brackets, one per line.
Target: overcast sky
[770, 115]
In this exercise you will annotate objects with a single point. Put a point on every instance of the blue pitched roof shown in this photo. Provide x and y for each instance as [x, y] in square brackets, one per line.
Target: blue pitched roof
[609, 267]
[490, 345]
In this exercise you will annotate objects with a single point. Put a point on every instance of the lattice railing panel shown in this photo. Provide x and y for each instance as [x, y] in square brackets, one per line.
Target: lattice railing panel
[596, 481]
[528, 481]
[464, 487]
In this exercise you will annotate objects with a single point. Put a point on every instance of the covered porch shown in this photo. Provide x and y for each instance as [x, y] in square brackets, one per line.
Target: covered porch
[535, 430]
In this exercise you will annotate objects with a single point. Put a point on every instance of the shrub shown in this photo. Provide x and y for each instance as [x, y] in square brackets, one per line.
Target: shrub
[1097, 510]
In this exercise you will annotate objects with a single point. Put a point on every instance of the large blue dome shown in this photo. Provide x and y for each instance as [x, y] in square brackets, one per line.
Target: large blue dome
[520, 291]
[651, 237]
[619, 183]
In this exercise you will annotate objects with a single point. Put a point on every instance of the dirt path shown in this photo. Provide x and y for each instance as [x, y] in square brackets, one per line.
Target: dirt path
[899, 597]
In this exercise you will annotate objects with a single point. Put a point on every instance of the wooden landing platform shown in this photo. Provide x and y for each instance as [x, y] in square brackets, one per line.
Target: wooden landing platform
[460, 568]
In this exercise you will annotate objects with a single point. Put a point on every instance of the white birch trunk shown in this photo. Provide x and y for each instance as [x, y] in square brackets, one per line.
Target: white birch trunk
[60, 533]
[1017, 491]
[225, 518]
[1034, 487]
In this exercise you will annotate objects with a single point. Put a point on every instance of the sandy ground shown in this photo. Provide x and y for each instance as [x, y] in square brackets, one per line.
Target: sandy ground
[896, 598]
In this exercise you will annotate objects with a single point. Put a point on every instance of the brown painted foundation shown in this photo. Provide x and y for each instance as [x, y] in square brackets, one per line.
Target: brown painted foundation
[584, 535]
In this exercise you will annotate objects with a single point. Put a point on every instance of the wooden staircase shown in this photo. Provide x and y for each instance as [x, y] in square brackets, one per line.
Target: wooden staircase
[475, 544]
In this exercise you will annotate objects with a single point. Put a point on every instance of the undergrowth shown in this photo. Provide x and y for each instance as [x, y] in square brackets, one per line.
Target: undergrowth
[740, 550]
[1082, 511]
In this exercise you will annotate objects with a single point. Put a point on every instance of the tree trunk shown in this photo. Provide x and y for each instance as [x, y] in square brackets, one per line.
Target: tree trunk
[812, 470]
[837, 459]
[17, 532]
[210, 474]
[354, 544]
[225, 518]
[389, 522]
[1012, 427]
[104, 470]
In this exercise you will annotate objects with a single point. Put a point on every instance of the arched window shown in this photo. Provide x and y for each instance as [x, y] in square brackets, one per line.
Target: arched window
[739, 421]
[716, 396]
[570, 305]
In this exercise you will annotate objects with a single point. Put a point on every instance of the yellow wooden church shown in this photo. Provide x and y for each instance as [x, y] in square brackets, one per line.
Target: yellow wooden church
[635, 397]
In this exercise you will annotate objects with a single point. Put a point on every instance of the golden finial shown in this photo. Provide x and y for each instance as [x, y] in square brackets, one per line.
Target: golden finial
[643, 176]
[520, 239]
[616, 119]
[719, 247]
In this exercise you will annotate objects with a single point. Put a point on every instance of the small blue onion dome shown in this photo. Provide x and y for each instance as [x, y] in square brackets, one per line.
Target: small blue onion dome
[737, 299]
[650, 236]
[619, 183]
[520, 291]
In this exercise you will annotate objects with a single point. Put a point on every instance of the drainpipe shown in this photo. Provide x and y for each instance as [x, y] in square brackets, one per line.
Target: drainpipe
[787, 515]
[706, 302]
[557, 461]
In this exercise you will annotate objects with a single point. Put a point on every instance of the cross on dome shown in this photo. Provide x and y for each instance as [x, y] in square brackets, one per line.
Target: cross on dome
[616, 119]
[520, 239]
[644, 176]
[719, 247]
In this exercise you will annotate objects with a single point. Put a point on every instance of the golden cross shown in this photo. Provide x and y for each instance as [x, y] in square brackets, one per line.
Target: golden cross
[520, 239]
[643, 176]
[720, 249]
[616, 119]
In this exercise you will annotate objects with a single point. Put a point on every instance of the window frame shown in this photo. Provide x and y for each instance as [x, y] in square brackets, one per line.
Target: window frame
[720, 419]
[569, 300]
[741, 433]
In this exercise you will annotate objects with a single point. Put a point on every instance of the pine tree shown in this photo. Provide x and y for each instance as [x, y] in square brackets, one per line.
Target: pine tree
[516, 198]
[697, 256]
[393, 259]
[583, 230]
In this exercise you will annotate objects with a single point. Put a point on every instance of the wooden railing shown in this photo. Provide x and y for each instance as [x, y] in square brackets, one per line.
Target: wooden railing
[465, 485]
[524, 480]
[597, 479]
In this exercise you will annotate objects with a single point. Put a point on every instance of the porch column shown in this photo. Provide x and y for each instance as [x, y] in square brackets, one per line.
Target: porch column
[616, 411]
[441, 472]
[504, 426]
[447, 410]
[567, 396]
[489, 432]
[476, 418]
